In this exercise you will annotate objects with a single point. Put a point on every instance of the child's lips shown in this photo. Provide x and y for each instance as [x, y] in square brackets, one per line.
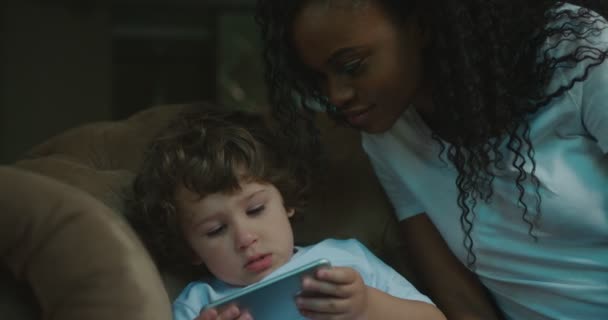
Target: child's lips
[259, 263]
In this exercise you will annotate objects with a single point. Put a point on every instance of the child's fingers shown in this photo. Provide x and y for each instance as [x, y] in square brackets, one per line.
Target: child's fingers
[337, 275]
[208, 314]
[330, 306]
[245, 316]
[321, 288]
[324, 316]
[229, 313]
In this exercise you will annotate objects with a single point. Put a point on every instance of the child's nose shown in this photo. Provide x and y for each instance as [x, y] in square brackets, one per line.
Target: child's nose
[245, 238]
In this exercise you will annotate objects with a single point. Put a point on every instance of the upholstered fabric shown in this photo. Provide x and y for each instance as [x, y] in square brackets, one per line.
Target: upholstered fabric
[97, 162]
[81, 260]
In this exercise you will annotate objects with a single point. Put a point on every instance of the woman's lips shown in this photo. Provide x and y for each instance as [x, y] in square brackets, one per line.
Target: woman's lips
[357, 118]
[259, 264]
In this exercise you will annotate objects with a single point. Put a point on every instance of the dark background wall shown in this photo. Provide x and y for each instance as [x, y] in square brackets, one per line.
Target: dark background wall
[64, 63]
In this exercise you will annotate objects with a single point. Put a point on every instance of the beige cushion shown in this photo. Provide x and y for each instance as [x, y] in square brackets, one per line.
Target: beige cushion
[101, 158]
[81, 260]
[109, 145]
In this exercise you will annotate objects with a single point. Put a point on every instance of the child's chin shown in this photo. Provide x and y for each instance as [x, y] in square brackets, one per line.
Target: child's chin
[253, 279]
[260, 276]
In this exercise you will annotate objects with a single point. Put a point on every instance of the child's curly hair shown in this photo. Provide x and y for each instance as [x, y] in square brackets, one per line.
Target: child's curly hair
[208, 150]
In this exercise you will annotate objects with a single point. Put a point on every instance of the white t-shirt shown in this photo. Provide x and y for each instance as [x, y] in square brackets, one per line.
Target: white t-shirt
[564, 275]
[344, 253]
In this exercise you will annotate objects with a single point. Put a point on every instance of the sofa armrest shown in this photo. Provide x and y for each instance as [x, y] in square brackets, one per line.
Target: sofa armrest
[80, 258]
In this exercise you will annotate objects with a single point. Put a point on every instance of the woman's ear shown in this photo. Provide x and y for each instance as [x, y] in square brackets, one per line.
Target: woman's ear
[291, 212]
[414, 28]
[197, 261]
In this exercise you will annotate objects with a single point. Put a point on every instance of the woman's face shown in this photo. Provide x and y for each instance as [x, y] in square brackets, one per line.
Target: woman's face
[369, 68]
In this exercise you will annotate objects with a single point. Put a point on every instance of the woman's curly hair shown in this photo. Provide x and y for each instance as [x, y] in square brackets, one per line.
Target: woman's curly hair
[207, 150]
[489, 68]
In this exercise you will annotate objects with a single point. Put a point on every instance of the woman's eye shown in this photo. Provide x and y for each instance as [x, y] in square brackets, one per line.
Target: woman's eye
[352, 67]
[255, 210]
[215, 231]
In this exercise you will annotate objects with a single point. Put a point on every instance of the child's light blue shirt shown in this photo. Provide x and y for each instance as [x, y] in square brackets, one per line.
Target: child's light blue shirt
[344, 253]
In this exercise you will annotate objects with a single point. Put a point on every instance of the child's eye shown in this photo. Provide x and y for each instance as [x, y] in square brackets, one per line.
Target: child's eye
[216, 231]
[255, 210]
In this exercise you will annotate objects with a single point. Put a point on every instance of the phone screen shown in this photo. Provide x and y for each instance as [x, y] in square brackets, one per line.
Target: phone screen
[273, 297]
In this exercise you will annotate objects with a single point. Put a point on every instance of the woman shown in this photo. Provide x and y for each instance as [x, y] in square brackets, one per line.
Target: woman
[487, 125]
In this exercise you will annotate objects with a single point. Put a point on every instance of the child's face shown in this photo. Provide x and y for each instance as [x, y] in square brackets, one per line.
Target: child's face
[240, 237]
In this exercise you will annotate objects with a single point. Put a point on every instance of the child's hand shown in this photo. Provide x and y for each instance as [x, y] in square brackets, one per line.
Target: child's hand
[229, 313]
[334, 294]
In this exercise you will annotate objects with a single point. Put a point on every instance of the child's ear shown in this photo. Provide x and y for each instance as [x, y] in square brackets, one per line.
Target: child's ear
[291, 212]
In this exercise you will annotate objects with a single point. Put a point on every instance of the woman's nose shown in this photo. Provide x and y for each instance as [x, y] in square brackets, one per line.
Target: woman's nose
[339, 92]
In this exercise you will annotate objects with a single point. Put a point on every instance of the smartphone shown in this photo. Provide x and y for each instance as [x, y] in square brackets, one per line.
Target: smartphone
[272, 297]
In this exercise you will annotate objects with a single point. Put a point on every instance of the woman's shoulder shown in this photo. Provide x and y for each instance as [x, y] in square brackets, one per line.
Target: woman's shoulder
[578, 41]
[575, 30]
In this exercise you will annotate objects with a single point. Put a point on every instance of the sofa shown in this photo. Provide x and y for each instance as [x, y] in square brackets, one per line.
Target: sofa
[69, 253]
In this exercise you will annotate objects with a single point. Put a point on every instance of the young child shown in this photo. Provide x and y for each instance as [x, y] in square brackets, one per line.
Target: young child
[216, 191]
